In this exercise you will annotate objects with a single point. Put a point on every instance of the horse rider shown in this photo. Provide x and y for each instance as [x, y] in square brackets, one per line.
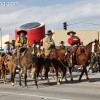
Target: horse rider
[48, 43]
[62, 46]
[75, 42]
[94, 58]
[22, 41]
[8, 48]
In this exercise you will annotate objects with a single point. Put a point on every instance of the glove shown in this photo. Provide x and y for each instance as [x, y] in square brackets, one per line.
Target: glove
[25, 45]
[50, 43]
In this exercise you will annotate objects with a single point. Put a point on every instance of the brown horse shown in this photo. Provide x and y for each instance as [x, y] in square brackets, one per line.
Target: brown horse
[2, 69]
[24, 62]
[9, 66]
[82, 58]
[58, 61]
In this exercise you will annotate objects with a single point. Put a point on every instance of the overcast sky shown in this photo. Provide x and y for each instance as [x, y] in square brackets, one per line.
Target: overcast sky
[51, 12]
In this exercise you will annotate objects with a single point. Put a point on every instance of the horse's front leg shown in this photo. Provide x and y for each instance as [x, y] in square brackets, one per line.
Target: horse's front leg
[81, 74]
[25, 77]
[57, 80]
[20, 75]
[3, 73]
[70, 71]
[41, 72]
[36, 79]
[86, 73]
[47, 70]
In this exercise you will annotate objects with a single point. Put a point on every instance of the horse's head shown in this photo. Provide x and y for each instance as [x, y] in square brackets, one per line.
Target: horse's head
[93, 46]
[36, 48]
[68, 58]
[97, 45]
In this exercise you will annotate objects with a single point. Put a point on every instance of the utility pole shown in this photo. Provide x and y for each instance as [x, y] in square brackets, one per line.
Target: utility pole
[1, 37]
[98, 35]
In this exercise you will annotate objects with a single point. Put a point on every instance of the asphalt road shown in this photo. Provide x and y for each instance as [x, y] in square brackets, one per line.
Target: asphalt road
[66, 91]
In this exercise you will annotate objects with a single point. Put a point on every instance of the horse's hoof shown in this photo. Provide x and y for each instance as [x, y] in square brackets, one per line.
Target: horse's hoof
[58, 83]
[48, 81]
[71, 80]
[79, 80]
[37, 87]
[26, 86]
[89, 81]
[22, 86]
[66, 80]
[13, 84]
[41, 78]
[5, 82]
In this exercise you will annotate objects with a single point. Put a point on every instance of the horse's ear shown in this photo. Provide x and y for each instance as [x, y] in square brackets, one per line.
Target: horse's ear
[96, 40]
[34, 41]
[39, 41]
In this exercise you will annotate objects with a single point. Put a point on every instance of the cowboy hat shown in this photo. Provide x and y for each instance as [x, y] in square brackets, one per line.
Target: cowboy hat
[71, 32]
[61, 42]
[8, 42]
[22, 31]
[49, 32]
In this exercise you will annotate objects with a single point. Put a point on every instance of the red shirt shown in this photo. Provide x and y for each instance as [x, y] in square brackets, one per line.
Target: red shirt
[74, 40]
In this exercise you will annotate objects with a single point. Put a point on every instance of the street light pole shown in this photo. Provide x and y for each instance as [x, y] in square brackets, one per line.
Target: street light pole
[1, 37]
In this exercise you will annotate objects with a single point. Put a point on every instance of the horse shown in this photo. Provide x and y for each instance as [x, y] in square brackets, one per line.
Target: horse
[82, 58]
[8, 62]
[2, 68]
[24, 62]
[58, 62]
[41, 61]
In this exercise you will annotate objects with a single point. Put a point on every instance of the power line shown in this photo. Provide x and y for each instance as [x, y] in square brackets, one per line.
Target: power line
[84, 23]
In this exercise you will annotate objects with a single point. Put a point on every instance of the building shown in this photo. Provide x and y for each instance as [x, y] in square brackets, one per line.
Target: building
[5, 38]
[85, 35]
[35, 30]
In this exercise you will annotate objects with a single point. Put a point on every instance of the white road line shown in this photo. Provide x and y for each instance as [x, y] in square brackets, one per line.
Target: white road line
[38, 96]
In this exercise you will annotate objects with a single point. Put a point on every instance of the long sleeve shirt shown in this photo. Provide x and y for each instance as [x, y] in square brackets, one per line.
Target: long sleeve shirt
[74, 40]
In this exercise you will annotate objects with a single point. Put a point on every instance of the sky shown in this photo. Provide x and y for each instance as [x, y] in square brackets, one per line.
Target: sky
[51, 12]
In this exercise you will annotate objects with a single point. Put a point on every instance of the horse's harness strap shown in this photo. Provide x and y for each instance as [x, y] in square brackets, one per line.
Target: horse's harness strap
[62, 62]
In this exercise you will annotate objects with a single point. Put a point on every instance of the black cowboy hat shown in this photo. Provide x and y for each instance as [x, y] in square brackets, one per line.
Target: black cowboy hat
[8, 42]
[61, 42]
[71, 32]
[22, 31]
[49, 32]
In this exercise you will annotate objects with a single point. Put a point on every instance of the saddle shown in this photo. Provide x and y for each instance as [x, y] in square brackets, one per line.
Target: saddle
[79, 51]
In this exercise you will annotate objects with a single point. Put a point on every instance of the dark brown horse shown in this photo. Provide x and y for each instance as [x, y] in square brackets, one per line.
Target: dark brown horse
[82, 58]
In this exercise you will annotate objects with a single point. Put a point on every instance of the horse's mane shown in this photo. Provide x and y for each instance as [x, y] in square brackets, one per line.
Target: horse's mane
[89, 43]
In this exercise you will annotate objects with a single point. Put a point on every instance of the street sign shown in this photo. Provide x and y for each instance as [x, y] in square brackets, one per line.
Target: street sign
[1, 50]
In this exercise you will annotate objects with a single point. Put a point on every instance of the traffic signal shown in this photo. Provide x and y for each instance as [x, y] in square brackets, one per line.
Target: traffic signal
[65, 26]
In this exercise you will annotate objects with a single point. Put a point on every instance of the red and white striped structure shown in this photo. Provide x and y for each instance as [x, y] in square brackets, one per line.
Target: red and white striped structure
[35, 30]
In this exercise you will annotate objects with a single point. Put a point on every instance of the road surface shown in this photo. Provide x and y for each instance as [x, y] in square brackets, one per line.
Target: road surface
[66, 91]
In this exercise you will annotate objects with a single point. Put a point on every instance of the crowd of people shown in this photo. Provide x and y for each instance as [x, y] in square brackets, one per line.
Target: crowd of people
[47, 43]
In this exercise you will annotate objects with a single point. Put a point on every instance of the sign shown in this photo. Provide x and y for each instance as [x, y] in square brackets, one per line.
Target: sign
[1, 50]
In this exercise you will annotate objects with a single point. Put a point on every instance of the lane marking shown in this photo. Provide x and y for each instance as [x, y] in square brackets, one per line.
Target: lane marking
[38, 96]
